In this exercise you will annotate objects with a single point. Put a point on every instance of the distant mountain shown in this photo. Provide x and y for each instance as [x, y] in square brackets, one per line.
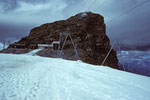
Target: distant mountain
[144, 47]
[132, 47]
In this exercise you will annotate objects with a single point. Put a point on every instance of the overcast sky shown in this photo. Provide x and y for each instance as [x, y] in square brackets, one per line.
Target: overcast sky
[18, 17]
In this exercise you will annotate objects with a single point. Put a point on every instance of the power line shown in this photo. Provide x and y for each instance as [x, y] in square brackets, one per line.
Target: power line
[102, 4]
[91, 5]
[140, 4]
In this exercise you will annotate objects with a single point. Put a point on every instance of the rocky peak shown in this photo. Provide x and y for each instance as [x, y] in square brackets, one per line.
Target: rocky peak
[89, 35]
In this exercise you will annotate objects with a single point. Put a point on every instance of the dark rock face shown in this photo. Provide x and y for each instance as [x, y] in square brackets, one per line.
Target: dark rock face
[88, 33]
[15, 51]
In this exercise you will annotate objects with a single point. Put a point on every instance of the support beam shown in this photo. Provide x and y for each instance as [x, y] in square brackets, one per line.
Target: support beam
[108, 53]
[3, 44]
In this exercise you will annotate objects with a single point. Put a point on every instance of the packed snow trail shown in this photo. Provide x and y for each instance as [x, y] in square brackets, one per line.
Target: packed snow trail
[33, 52]
[24, 77]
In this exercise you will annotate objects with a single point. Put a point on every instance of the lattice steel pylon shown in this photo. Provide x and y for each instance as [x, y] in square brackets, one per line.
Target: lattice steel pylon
[74, 46]
[3, 45]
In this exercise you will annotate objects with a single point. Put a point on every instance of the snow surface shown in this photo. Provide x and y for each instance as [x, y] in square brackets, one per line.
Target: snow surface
[26, 77]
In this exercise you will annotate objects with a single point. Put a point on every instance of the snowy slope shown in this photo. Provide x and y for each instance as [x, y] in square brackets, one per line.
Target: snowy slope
[25, 77]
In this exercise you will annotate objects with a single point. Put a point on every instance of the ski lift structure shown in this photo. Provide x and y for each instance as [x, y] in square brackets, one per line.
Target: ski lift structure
[115, 44]
[63, 43]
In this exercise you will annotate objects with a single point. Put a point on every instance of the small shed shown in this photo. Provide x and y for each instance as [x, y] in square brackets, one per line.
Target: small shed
[56, 45]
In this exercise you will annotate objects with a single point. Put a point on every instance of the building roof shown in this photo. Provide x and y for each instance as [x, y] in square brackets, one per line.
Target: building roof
[45, 45]
[56, 42]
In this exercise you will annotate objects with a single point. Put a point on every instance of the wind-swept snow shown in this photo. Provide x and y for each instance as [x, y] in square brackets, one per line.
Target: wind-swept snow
[24, 77]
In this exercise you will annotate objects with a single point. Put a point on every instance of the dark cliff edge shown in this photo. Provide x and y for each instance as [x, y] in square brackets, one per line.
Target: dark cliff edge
[88, 32]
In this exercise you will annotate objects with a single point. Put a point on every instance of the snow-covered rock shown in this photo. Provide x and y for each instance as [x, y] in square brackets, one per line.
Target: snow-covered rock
[1, 46]
[24, 77]
[84, 14]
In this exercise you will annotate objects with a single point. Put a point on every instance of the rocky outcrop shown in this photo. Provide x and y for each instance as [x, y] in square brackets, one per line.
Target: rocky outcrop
[88, 33]
[15, 51]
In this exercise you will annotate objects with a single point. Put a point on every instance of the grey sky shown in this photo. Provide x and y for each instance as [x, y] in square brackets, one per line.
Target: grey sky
[17, 17]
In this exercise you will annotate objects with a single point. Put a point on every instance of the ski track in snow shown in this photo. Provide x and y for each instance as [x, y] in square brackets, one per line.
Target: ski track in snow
[24, 77]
